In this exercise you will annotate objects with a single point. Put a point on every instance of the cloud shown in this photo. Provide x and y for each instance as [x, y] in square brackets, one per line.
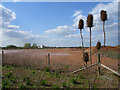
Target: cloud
[76, 13]
[77, 18]
[61, 30]
[73, 35]
[11, 33]
[7, 16]
[18, 37]
[17, 0]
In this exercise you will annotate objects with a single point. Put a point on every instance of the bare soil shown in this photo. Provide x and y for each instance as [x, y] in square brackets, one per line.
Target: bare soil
[58, 58]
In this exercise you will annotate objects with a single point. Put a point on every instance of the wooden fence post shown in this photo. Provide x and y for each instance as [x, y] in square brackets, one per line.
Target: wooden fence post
[99, 64]
[49, 61]
[2, 55]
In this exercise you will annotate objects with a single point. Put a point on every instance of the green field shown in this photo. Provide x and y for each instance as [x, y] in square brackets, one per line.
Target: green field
[33, 77]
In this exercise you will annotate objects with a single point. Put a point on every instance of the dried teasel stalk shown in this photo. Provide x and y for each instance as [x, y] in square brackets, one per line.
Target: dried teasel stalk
[90, 24]
[103, 15]
[98, 46]
[86, 57]
[104, 18]
[90, 20]
[81, 24]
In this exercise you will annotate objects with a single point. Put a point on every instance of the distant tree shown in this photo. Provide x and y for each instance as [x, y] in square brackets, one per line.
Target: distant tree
[34, 45]
[11, 46]
[27, 45]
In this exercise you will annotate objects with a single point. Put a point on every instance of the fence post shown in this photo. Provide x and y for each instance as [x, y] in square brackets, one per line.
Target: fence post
[2, 55]
[49, 61]
[99, 64]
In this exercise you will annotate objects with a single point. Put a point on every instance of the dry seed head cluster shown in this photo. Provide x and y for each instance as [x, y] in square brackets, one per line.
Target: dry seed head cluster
[90, 20]
[81, 24]
[86, 57]
[98, 46]
[103, 15]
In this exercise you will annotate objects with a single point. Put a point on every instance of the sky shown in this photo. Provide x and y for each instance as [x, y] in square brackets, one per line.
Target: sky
[56, 23]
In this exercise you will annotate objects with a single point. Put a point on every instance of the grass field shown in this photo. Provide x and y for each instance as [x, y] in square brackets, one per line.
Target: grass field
[30, 77]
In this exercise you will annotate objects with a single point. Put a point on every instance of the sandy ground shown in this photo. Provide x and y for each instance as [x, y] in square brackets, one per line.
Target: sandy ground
[59, 58]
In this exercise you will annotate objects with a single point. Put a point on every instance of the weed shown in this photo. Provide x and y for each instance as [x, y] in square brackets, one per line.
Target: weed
[80, 67]
[63, 84]
[34, 86]
[8, 75]
[27, 80]
[43, 82]
[5, 84]
[47, 69]
[21, 86]
[73, 80]
[66, 66]
[95, 86]
[7, 66]
[56, 73]
[81, 76]
[56, 86]
[12, 80]
[33, 71]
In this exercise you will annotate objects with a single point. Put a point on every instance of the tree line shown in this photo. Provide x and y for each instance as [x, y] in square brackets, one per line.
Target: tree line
[26, 46]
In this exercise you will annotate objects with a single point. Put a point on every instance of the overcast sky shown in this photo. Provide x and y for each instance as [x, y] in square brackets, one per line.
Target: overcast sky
[56, 23]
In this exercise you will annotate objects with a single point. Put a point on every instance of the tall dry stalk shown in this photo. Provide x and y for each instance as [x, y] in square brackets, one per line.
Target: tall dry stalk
[90, 48]
[81, 26]
[104, 33]
[90, 24]
[104, 18]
